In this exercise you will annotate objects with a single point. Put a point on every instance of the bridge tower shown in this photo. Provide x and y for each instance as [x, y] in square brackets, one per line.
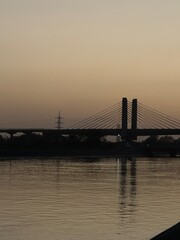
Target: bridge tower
[134, 119]
[129, 134]
[124, 118]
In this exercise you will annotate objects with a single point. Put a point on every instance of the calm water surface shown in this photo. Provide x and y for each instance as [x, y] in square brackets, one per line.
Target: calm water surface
[88, 198]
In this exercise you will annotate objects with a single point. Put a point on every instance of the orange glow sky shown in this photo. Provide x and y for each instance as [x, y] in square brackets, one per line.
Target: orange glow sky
[81, 56]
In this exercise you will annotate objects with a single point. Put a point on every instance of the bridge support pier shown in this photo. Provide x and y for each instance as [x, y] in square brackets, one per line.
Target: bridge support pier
[11, 135]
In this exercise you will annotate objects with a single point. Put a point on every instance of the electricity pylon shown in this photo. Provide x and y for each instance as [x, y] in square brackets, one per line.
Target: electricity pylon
[59, 121]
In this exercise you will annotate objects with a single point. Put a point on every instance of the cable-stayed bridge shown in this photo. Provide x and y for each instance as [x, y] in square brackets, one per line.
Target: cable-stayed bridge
[126, 119]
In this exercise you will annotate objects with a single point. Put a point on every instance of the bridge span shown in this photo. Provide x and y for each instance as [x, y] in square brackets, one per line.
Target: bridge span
[126, 119]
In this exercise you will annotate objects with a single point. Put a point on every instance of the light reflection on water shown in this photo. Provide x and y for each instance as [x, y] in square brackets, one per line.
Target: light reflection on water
[88, 198]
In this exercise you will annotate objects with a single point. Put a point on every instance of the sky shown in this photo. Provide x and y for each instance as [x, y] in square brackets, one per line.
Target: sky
[81, 56]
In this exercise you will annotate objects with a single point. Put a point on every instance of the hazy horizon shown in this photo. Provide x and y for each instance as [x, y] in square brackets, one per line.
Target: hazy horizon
[83, 56]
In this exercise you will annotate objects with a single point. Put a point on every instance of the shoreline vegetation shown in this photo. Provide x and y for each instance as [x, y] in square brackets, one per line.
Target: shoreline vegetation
[52, 146]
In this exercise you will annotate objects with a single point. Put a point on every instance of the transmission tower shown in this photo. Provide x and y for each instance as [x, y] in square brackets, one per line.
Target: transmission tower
[59, 121]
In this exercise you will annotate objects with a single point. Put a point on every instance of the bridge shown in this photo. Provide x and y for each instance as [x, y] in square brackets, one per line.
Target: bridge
[125, 119]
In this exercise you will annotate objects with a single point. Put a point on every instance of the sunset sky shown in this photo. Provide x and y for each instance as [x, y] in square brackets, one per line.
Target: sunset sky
[81, 56]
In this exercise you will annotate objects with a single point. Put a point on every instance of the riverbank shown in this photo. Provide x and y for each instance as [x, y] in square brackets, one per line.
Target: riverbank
[129, 151]
[39, 146]
[171, 233]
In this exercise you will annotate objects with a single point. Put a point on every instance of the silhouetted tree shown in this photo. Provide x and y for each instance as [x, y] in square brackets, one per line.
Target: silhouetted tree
[166, 140]
[94, 140]
[152, 140]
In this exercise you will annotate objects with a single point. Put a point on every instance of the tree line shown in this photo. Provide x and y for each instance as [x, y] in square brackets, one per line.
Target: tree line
[75, 141]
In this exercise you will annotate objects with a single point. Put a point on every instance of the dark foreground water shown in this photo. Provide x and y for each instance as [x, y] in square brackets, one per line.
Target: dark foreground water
[88, 198]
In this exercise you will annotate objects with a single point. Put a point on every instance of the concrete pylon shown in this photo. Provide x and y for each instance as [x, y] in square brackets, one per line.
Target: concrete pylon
[134, 119]
[124, 118]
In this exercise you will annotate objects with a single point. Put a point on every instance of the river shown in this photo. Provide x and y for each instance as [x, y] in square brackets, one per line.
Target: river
[88, 198]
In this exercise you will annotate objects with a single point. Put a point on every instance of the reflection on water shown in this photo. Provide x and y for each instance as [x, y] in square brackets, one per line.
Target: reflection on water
[127, 183]
[88, 198]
